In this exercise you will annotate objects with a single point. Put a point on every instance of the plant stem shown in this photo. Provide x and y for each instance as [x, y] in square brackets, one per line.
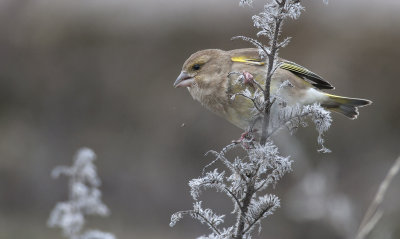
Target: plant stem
[242, 214]
[270, 71]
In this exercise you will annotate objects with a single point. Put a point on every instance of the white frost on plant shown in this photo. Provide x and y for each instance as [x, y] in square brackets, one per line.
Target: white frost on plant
[67, 218]
[262, 207]
[322, 120]
[84, 198]
[95, 234]
[261, 166]
[176, 217]
[293, 117]
[271, 165]
[243, 3]
[210, 180]
[266, 20]
[226, 233]
[204, 216]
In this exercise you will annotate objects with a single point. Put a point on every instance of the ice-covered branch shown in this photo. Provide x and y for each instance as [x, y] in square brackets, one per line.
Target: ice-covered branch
[248, 176]
[84, 198]
[205, 216]
[210, 180]
[261, 208]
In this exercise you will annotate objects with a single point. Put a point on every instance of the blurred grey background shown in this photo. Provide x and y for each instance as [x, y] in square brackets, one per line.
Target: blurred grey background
[99, 73]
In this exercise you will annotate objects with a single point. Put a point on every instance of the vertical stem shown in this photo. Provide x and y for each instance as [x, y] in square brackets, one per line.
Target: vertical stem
[240, 223]
[270, 71]
[73, 199]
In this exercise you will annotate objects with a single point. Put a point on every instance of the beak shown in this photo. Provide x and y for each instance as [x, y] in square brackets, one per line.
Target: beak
[184, 80]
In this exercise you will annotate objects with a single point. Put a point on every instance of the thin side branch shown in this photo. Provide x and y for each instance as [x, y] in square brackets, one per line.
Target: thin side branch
[373, 213]
[257, 219]
[197, 214]
[254, 42]
[254, 100]
[285, 122]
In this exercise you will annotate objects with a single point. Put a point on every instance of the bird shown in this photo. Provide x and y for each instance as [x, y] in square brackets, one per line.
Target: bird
[207, 74]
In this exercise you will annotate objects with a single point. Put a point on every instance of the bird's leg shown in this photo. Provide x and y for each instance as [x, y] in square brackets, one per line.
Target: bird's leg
[243, 136]
[248, 78]
[246, 138]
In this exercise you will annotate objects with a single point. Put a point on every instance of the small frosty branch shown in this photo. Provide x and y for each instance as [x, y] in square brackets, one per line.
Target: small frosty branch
[235, 199]
[254, 99]
[221, 156]
[210, 180]
[245, 2]
[374, 214]
[205, 216]
[262, 208]
[256, 43]
[294, 116]
[84, 198]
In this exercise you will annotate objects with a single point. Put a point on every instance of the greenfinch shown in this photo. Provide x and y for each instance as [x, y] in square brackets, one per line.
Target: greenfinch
[207, 74]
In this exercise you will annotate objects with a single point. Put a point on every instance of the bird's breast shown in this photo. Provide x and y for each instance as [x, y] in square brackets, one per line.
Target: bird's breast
[213, 101]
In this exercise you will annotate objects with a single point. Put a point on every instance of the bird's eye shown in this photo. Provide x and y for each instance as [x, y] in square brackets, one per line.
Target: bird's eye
[196, 67]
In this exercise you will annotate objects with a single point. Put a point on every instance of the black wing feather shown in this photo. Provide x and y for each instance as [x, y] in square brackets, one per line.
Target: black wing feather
[306, 74]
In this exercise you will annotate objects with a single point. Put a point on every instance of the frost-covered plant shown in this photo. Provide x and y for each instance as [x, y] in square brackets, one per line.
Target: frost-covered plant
[244, 183]
[84, 198]
[248, 177]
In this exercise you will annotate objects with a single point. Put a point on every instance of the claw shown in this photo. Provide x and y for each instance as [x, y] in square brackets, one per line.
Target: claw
[245, 139]
[248, 78]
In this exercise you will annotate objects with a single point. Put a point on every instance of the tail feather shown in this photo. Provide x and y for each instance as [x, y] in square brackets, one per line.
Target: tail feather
[344, 105]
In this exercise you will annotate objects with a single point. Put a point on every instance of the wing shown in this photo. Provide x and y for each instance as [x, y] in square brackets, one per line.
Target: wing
[251, 57]
[306, 74]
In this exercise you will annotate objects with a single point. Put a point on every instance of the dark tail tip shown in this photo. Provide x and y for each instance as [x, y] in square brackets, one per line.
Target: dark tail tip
[346, 106]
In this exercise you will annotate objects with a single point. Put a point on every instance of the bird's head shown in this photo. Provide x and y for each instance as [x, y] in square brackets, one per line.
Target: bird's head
[204, 71]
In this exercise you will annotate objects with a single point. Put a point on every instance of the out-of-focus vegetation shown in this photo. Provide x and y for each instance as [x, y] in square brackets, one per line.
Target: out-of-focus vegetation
[100, 73]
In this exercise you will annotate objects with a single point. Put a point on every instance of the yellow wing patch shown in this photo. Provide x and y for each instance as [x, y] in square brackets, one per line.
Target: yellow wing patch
[247, 60]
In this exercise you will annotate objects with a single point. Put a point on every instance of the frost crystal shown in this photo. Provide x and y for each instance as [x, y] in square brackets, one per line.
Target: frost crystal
[84, 198]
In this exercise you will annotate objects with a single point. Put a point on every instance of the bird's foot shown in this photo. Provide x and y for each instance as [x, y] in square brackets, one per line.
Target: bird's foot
[246, 139]
[248, 78]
